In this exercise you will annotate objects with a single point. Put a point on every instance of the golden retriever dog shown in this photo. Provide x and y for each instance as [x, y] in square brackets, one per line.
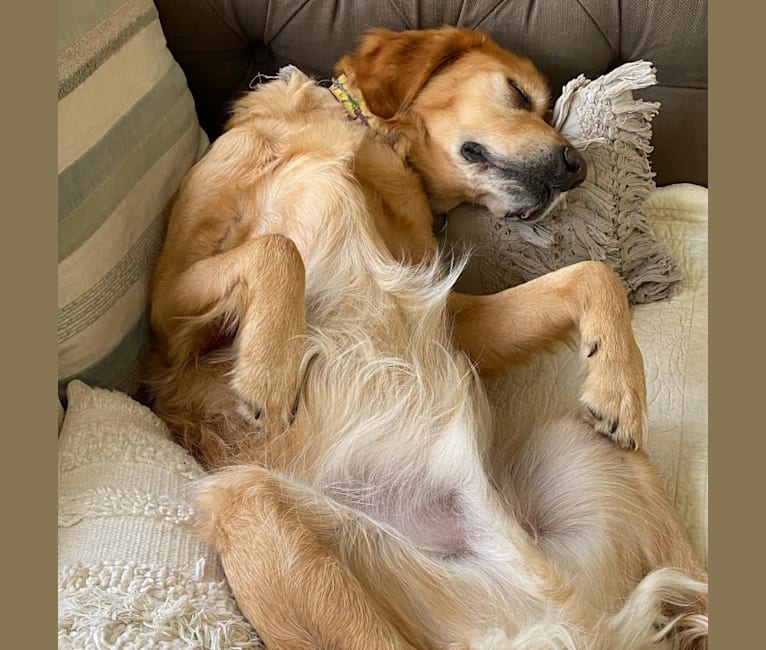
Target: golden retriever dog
[311, 353]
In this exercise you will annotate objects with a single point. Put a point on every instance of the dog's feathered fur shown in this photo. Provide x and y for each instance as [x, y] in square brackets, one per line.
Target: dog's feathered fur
[309, 347]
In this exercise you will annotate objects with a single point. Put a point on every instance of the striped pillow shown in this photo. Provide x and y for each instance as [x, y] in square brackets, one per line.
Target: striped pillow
[127, 134]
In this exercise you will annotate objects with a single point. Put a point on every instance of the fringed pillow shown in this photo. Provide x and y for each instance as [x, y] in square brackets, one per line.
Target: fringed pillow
[131, 571]
[603, 219]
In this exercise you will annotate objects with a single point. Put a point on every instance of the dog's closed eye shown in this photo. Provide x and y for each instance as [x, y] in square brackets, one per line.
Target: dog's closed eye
[473, 152]
[520, 95]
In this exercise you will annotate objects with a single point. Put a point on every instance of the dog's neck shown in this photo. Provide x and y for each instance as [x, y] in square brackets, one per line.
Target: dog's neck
[398, 133]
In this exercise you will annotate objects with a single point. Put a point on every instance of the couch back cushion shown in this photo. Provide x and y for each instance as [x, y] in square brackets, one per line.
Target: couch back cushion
[222, 44]
[127, 134]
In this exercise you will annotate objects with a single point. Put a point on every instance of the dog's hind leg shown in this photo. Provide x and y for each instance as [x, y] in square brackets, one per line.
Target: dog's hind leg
[309, 572]
[251, 297]
[602, 516]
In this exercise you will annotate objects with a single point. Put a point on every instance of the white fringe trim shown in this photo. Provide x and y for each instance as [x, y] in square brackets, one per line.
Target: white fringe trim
[123, 605]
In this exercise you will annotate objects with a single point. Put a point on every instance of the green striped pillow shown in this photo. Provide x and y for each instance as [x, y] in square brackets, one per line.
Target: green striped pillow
[128, 133]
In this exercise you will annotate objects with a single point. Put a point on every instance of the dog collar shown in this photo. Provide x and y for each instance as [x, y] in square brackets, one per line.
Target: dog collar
[355, 106]
[356, 109]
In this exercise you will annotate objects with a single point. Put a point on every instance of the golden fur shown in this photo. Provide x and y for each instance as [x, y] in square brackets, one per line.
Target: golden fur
[310, 349]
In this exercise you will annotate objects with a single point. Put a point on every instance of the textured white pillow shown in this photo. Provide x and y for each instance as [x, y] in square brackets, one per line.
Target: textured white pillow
[132, 573]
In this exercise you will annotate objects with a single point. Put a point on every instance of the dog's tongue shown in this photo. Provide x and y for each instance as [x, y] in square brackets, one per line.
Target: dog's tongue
[528, 214]
[524, 215]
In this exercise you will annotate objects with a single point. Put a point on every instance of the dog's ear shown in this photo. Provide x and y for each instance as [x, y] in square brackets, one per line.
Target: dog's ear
[390, 68]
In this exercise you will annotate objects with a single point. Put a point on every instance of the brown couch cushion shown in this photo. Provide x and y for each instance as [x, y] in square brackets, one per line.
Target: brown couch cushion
[222, 44]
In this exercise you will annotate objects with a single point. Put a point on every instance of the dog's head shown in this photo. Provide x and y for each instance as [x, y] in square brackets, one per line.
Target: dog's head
[477, 118]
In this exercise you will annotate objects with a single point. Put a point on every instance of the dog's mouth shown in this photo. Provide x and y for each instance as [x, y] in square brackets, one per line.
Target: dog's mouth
[525, 190]
[530, 215]
[540, 207]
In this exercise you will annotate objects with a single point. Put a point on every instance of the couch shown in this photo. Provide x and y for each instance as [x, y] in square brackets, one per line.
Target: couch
[143, 88]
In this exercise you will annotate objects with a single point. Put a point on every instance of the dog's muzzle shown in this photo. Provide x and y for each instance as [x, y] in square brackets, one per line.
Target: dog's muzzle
[544, 180]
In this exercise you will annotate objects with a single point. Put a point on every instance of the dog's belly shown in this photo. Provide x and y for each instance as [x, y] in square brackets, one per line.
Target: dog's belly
[405, 454]
[436, 521]
[393, 416]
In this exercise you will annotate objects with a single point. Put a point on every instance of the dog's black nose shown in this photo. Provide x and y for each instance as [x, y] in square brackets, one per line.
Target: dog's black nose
[571, 169]
[573, 160]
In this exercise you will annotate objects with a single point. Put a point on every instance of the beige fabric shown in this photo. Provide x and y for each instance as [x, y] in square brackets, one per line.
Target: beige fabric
[673, 335]
[132, 574]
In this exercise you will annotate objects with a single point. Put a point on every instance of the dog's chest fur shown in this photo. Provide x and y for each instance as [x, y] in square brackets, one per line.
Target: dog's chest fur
[382, 374]
[380, 371]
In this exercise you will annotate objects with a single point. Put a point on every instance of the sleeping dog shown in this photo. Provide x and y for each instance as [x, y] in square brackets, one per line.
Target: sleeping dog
[311, 353]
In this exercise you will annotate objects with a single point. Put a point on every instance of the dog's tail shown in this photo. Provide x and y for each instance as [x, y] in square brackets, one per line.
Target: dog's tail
[667, 609]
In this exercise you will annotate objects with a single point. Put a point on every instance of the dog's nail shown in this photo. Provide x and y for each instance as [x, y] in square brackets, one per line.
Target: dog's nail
[593, 349]
[633, 445]
[594, 413]
[614, 426]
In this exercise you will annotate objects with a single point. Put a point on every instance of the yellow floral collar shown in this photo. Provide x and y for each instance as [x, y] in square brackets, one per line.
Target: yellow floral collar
[355, 106]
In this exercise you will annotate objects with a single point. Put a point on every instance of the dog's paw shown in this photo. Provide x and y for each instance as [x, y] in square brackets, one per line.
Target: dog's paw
[615, 392]
[270, 403]
[253, 412]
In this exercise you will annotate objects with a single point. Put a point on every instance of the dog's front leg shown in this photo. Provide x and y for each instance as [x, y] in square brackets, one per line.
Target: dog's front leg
[498, 330]
[271, 337]
[256, 289]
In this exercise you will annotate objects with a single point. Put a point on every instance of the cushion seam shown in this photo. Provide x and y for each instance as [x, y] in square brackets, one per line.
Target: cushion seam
[231, 28]
[598, 27]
